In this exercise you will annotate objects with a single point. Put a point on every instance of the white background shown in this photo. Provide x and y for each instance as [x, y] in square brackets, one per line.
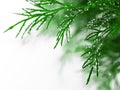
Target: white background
[32, 63]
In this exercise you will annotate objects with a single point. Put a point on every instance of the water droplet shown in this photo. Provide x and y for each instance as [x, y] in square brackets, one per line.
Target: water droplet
[66, 16]
[100, 34]
[89, 52]
[101, 8]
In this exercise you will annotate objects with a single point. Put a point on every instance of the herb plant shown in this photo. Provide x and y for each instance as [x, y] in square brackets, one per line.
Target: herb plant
[95, 36]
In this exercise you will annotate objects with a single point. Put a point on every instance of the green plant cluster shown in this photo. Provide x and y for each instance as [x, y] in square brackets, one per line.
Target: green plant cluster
[96, 33]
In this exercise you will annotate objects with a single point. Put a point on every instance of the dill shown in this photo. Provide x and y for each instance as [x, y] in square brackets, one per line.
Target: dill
[101, 22]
